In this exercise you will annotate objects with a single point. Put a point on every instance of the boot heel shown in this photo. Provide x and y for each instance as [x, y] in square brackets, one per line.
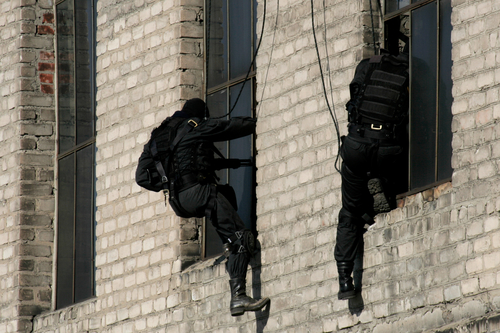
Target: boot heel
[237, 311]
[347, 294]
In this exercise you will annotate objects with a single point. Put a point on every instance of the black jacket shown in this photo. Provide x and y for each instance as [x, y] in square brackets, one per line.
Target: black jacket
[209, 131]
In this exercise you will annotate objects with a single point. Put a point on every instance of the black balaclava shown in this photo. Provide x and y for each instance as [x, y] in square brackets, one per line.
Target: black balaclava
[195, 107]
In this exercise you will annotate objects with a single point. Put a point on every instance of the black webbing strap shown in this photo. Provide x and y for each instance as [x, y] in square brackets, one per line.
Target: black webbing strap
[234, 240]
[371, 131]
[219, 260]
[159, 166]
[192, 123]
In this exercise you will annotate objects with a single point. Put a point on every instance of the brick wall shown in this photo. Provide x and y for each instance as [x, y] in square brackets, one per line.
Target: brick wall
[149, 61]
[9, 173]
[429, 265]
[27, 137]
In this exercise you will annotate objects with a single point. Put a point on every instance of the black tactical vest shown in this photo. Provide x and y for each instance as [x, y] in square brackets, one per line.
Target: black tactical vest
[379, 92]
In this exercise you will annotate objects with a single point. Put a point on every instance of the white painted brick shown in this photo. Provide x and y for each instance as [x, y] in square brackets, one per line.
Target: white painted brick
[474, 265]
[298, 192]
[452, 292]
[172, 300]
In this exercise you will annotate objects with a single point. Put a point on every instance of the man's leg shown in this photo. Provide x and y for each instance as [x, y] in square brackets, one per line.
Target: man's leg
[238, 241]
[355, 213]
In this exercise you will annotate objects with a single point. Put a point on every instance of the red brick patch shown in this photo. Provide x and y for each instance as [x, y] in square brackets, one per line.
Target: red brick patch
[48, 18]
[44, 66]
[44, 55]
[45, 30]
[47, 89]
[46, 78]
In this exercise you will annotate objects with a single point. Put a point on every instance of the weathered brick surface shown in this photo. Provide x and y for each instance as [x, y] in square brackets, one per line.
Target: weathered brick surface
[27, 143]
[429, 265]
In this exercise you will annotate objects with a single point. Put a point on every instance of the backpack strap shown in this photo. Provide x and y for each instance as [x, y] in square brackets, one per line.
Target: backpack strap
[158, 165]
[192, 123]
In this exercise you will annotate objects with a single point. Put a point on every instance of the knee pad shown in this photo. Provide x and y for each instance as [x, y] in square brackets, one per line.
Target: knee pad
[242, 241]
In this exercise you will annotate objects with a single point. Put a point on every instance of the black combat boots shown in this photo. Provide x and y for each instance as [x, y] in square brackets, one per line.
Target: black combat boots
[240, 302]
[346, 289]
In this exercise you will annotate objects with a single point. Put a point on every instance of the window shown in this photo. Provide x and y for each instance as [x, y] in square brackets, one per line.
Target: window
[230, 79]
[424, 29]
[76, 150]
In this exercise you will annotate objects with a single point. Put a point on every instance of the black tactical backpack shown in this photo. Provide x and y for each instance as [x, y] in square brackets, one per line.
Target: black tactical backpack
[154, 170]
[379, 93]
[147, 175]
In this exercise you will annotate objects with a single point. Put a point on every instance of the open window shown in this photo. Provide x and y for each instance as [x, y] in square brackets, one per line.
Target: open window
[423, 28]
[230, 88]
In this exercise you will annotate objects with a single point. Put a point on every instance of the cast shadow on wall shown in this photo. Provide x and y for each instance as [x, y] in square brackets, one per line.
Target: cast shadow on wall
[356, 304]
[261, 316]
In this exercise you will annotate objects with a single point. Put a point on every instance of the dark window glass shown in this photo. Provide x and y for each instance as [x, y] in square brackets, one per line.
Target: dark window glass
[84, 256]
[242, 179]
[427, 29]
[230, 40]
[217, 104]
[84, 63]
[66, 75]
[65, 231]
[76, 179]
[230, 48]
[393, 5]
[217, 42]
[240, 37]
[423, 96]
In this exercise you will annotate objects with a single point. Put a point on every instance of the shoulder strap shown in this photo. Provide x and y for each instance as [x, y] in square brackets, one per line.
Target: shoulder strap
[192, 123]
[159, 166]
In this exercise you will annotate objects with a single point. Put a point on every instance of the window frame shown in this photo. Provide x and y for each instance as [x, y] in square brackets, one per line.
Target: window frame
[389, 17]
[86, 145]
[248, 80]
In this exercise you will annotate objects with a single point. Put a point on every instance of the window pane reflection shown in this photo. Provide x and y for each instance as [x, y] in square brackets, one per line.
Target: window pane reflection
[84, 71]
[84, 223]
[66, 75]
[75, 219]
[217, 43]
[423, 96]
[65, 231]
[240, 50]
[242, 178]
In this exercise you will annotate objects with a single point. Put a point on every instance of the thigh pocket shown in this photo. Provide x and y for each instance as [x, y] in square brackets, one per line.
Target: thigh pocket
[354, 155]
[389, 155]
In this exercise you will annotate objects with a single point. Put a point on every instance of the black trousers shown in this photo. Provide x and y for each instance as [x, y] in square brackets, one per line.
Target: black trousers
[224, 218]
[364, 159]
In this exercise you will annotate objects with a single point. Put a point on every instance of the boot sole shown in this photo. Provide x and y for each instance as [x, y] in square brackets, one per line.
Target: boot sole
[255, 307]
[380, 202]
[347, 294]
[237, 312]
